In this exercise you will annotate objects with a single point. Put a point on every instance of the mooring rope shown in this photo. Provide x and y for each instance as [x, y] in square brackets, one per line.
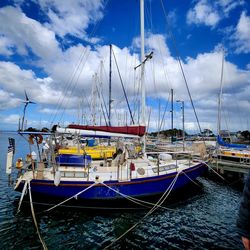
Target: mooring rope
[135, 200]
[191, 179]
[23, 193]
[166, 194]
[34, 219]
[212, 170]
[74, 196]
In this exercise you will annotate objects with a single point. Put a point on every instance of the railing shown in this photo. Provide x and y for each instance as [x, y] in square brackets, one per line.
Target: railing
[131, 168]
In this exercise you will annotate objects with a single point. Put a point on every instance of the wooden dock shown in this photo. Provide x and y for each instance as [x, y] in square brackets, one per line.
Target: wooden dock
[223, 165]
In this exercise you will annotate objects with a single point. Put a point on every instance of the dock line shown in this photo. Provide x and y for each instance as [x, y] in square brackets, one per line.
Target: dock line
[159, 203]
[73, 196]
[34, 219]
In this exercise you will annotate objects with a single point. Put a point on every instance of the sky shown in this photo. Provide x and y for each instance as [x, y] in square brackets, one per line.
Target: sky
[58, 52]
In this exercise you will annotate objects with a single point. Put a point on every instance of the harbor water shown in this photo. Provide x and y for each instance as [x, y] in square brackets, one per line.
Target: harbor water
[202, 216]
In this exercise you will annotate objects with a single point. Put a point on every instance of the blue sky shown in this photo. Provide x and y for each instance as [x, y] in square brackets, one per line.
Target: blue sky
[58, 51]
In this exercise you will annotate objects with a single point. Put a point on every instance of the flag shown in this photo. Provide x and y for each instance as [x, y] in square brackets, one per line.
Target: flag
[11, 147]
[9, 158]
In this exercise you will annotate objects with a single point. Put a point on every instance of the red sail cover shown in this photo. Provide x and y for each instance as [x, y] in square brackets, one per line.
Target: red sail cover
[132, 130]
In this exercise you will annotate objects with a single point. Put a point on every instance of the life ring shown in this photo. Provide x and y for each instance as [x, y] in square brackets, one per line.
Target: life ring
[141, 171]
[38, 138]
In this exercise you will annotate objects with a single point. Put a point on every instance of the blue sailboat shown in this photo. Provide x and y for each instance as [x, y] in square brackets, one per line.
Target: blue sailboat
[123, 181]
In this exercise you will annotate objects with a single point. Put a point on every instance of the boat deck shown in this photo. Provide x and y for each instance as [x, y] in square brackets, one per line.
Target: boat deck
[103, 172]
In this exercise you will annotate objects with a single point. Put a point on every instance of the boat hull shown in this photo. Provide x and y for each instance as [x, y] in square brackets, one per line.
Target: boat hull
[100, 196]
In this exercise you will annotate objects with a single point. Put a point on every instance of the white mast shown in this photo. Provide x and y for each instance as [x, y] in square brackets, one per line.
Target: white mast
[143, 102]
[220, 94]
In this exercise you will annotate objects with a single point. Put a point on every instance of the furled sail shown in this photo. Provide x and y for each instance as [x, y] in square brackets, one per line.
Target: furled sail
[132, 130]
[230, 145]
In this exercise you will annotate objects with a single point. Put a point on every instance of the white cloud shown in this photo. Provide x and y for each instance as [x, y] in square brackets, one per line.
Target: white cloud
[15, 80]
[69, 73]
[153, 42]
[203, 13]
[202, 72]
[210, 13]
[8, 100]
[6, 46]
[203, 76]
[72, 17]
[26, 33]
[241, 36]
[229, 5]
[11, 119]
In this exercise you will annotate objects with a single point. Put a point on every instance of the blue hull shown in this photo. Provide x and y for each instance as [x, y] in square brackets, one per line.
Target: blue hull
[139, 188]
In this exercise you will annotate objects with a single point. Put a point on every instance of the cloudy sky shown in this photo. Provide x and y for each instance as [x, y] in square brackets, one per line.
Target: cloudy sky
[58, 52]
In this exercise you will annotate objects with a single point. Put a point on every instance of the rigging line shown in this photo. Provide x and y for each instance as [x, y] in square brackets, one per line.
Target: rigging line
[23, 193]
[103, 112]
[225, 114]
[70, 198]
[239, 112]
[100, 87]
[61, 98]
[130, 78]
[130, 198]
[34, 219]
[164, 113]
[131, 116]
[212, 170]
[105, 106]
[169, 85]
[191, 180]
[183, 74]
[149, 116]
[68, 85]
[77, 67]
[135, 199]
[166, 193]
[107, 80]
[74, 86]
[150, 14]
[87, 99]
[83, 54]
[220, 93]
[159, 47]
[136, 94]
[148, 213]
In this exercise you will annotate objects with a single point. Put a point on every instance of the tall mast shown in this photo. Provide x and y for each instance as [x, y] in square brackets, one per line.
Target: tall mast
[110, 74]
[220, 94]
[143, 101]
[172, 115]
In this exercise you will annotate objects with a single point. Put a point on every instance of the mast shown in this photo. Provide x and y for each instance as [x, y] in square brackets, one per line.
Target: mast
[220, 95]
[94, 98]
[183, 126]
[143, 101]
[143, 98]
[172, 114]
[110, 74]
